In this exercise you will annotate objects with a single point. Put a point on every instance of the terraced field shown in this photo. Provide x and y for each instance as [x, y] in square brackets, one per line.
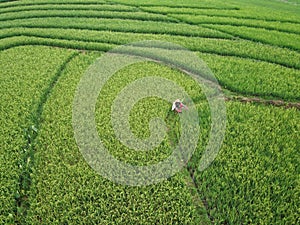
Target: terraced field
[253, 49]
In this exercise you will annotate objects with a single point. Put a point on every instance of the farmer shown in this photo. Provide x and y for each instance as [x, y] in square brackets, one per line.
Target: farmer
[178, 106]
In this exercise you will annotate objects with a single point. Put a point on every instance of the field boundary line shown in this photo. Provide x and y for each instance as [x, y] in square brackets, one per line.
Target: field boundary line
[197, 198]
[23, 203]
[273, 102]
[191, 184]
[188, 7]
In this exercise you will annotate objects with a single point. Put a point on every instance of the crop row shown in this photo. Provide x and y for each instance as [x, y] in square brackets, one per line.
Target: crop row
[182, 11]
[285, 40]
[85, 14]
[111, 12]
[245, 13]
[254, 179]
[17, 3]
[2, 1]
[249, 77]
[276, 38]
[59, 6]
[116, 25]
[269, 6]
[66, 190]
[269, 25]
[202, 5]
[26, 74]
[205, 4]
[96, 40]
[81, 45]
[289, 40]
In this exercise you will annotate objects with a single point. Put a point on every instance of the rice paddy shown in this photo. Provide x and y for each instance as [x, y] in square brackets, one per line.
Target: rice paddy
[252, 48]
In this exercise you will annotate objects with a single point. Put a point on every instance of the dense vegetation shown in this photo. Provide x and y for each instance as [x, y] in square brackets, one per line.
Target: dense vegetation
[253, 49]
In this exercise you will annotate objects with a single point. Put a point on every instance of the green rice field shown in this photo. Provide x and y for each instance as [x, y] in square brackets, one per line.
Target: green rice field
[253, 49]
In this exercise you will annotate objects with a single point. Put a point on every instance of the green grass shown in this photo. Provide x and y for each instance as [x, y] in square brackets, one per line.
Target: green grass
[252, 47]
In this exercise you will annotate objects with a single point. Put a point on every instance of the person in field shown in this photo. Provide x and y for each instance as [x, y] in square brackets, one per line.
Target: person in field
[178, 106]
